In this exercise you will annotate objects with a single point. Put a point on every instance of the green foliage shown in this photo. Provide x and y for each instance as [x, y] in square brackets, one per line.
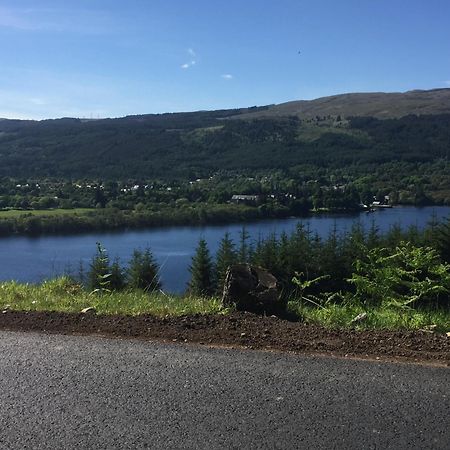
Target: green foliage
[304, 285]
[117, 280]
[244, 246]
[342, 315]
[104, 277]
[143, 271]
[402, 276]
[201, 269]
[63, 294]
[265, 254]
[442, 240]
[226, 256]
[99, 275]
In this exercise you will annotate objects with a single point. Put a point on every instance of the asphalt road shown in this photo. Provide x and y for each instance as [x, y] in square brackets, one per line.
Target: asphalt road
[88, 392]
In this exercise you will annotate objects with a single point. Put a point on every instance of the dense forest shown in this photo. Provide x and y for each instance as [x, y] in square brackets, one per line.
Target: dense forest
[193, 145]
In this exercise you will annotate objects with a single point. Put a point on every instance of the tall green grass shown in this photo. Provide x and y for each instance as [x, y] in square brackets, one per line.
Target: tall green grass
[62, 294]
[384, 316]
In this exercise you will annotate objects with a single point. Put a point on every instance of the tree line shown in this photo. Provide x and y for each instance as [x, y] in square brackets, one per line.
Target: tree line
[411, 264]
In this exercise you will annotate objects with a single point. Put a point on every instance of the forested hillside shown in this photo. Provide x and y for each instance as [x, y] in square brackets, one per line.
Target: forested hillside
[193, 145]
[189, 167]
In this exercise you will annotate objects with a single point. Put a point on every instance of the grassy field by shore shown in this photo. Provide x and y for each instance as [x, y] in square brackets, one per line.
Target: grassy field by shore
[13, 213]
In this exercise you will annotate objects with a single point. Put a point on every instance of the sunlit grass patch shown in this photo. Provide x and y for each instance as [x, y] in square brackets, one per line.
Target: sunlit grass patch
[386, 317]
[62, 294]
[13, 213]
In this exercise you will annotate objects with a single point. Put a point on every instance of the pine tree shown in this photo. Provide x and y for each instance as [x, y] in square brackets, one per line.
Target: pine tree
[99, 273]
[301, 250]
[117, 278]
[394, 236]
[143, 271]
[354, 246]
[285, 270]
[201, 270]
[431, 233]
[257, 252]
[331, 263]
[443, 240]
[226, 257]
[244, 248]
[266, 254]
[373, 236]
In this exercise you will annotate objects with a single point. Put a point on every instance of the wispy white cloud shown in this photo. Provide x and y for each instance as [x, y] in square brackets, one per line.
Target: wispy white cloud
[227, 76]
[193, 60]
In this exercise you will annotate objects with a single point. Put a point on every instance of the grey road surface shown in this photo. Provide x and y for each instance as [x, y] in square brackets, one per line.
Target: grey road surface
[63, 392]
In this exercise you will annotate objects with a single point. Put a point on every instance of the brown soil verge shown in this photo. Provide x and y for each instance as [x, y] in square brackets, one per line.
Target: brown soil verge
[243, 330]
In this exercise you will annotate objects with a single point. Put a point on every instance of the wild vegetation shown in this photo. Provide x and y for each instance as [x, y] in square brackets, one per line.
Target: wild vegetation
[63, 294]
[363, 279]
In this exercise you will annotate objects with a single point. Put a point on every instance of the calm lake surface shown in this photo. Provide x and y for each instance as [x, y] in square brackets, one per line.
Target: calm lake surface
[28, 259]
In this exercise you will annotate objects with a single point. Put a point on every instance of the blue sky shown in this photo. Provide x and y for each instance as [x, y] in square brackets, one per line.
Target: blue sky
[108, 58]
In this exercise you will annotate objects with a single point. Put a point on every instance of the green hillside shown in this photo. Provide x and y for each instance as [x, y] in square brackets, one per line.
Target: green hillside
[190, 145]
[375, 104]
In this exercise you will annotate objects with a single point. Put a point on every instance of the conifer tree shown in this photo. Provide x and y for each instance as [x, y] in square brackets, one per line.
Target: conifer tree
[244, 248]
[331, 263]
[226, 257]
[353, 245]
[143, 271]
[266, 254]
[443, 240]
[432, 231]
[285, 270]
[117, 278]
[99, 272]
[201, 270]
[257, 251]
[301, 250]
[373, 236]
[394, 236]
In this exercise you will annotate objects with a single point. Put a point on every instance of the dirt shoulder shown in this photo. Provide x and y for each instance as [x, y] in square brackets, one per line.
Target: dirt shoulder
[243, 330]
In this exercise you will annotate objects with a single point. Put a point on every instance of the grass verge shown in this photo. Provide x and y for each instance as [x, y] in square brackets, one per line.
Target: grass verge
[384, 317]
[64, 295]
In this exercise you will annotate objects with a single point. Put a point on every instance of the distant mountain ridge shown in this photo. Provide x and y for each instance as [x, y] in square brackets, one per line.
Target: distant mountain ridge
[381, 105]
